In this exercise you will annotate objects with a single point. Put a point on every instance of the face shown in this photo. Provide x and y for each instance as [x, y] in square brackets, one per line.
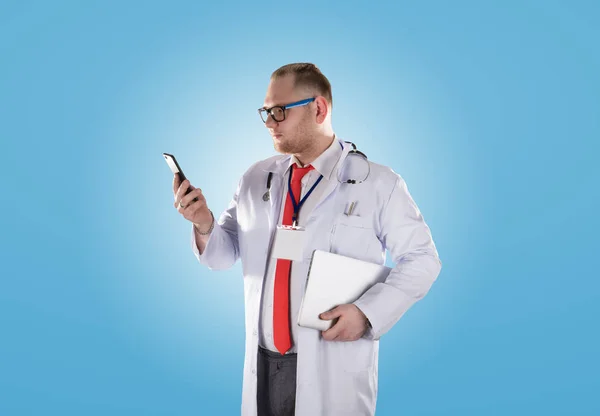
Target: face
[296, 133]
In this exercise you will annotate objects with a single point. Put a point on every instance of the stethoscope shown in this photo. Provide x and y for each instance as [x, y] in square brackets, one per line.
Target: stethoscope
[354, 151]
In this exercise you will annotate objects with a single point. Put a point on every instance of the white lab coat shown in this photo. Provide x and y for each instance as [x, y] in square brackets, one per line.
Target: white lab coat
[333, 377]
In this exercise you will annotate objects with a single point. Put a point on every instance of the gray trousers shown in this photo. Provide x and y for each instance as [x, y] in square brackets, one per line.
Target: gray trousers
[276, 395]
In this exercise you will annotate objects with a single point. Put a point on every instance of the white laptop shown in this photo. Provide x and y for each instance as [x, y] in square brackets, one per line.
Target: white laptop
[334, 280]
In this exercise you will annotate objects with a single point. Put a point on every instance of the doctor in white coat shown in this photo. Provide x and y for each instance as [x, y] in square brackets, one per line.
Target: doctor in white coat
[335, 371]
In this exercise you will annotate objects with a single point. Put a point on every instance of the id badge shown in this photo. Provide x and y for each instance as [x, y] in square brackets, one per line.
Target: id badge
[289, 243]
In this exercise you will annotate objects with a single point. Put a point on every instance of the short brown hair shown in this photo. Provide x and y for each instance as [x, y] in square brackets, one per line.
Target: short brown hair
[307, 75]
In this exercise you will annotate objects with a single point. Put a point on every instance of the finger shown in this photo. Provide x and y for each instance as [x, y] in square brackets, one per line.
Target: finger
[176, 183]
[178, 190]
[341, 337]
[187, 209]
[181, 190]
[193, 197]
[191, 206]
[347, 336]
[332, 333]
[332, 314]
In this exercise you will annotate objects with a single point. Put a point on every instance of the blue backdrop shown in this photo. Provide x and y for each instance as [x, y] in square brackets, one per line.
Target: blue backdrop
[489, 112]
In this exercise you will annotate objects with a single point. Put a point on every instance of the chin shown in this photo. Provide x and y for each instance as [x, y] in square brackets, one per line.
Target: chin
[277, 146]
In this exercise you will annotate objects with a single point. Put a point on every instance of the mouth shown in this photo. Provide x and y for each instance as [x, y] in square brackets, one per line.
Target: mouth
[277, 136]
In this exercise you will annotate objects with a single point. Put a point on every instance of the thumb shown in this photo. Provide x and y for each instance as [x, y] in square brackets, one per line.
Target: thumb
[176, 183]
[332, 314]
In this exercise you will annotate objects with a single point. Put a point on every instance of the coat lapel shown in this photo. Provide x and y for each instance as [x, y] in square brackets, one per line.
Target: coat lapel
[277, 168]
[333, 182]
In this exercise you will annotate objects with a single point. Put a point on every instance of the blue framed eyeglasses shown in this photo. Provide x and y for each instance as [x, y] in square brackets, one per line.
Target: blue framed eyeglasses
[277, 112]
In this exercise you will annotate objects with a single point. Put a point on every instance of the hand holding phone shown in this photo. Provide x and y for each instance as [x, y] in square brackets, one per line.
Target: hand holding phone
[176, 169]
[193, 206]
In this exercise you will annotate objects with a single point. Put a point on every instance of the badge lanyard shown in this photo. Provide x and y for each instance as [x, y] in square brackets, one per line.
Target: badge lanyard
[298, 205]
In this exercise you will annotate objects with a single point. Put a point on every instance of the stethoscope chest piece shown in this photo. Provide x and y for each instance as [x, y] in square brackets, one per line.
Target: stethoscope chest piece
[267, 194]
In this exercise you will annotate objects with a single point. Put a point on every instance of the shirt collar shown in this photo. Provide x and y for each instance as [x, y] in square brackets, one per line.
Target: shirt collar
[326, 161]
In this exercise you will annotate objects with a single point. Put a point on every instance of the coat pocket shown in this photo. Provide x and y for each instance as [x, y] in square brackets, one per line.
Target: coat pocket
[351, 236]
[354, 356]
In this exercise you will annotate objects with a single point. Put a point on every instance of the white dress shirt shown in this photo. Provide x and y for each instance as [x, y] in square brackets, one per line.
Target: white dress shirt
[323, 165]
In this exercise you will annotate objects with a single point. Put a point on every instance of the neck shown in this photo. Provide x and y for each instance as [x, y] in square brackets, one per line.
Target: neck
[309, 155]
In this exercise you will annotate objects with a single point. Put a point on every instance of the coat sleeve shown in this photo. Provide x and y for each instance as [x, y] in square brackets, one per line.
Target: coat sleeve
[407, 237]
[222, 247]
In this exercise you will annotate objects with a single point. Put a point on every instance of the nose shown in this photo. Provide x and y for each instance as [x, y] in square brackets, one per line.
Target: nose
[270, 122]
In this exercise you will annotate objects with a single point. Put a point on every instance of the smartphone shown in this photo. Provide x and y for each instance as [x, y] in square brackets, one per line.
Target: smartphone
[176, 169]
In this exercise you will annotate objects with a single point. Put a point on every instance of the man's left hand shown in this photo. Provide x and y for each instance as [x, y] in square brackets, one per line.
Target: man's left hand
[351, 325]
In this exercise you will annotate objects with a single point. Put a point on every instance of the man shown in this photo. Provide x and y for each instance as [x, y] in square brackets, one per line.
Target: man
[290, 369]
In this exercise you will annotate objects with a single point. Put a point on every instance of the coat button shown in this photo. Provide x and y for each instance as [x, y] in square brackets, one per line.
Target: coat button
[253, 371]
[255, 332]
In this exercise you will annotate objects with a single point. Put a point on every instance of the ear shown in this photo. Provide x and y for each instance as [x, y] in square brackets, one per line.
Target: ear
[322, 109]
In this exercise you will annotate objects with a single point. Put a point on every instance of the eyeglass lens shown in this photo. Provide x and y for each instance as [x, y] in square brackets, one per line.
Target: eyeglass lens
[276, 114]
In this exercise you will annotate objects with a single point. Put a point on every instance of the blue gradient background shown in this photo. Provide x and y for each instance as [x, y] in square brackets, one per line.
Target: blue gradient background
[489, 112]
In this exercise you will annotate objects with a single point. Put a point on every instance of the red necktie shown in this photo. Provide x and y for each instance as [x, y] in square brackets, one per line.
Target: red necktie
[281, 301]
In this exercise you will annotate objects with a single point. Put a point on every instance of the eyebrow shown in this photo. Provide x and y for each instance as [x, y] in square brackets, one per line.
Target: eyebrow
[274, 105]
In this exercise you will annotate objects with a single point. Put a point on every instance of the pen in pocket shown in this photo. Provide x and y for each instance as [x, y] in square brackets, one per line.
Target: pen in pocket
[351, 208]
